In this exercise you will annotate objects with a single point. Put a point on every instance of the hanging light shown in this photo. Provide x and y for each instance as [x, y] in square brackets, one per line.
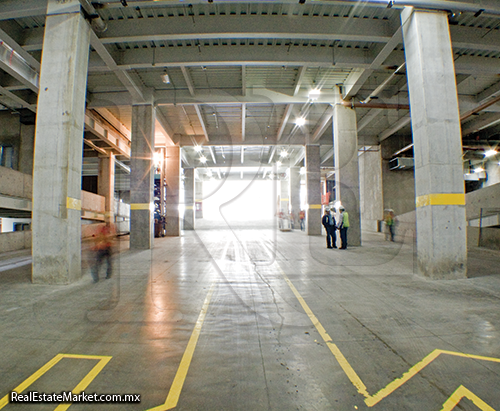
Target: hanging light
[165, 77]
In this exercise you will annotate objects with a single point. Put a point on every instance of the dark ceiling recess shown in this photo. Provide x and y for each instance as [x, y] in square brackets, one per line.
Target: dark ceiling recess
[28, 118]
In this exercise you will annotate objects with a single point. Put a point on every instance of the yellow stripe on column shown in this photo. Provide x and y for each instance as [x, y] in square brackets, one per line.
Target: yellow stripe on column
[140, 206]
[189, 207]
[284, 199]
[73, 203]
[315, 206]
[440, 199]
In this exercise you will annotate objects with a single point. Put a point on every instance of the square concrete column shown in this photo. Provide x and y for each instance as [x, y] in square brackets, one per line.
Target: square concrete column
[294, 190]
[313, 187]
[199, 199]
[345, 145]
[370, 189]
[57, 169]
[189, 199]
[142, 178]
[284, 196]
[106, 184]
[439, 184]
[173, 178]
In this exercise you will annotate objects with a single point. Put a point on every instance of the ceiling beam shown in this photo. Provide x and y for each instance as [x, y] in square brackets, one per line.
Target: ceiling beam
[167, 128]
[354, 84]
[17, 99]
[18, 9]
[284, 121]
[202, 121]
[298, 80]
[368, 118]
[398, 125]
[188, 79]
[299, 157]
[328, 155]
[323, 124]
[490, 92]
[123, 76]
[212, 153]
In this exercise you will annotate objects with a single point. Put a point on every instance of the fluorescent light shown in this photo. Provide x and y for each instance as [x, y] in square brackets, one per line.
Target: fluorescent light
[300, 121]
[490, 153]
[478, 170]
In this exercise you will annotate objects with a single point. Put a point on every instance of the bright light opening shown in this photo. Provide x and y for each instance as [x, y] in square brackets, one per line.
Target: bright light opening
[478, 170]
[490, 153]
[157, 159]
[203, 159]
[314, 94]
[300, 121]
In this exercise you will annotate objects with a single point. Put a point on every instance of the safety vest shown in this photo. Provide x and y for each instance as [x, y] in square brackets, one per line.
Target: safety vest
[345, 219]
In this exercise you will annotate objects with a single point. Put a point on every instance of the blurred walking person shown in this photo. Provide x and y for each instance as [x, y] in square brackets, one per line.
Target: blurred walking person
[103, 250]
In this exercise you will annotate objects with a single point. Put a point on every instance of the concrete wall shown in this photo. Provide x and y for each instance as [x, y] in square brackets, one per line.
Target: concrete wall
[370, 190]
[493, 172]
[398, 186]
[487, 198]
[15, 184]
[10, 133]
[16, 240]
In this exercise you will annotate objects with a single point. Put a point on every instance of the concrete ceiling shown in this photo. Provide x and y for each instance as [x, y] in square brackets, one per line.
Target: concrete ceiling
[241, 72]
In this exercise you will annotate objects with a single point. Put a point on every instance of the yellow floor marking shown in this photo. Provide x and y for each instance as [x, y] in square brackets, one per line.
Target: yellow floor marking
[371, 400]
[180, 376]
[103, 360]
[460, 393]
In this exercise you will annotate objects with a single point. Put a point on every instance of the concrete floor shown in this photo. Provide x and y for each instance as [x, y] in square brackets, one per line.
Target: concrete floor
[248, 318]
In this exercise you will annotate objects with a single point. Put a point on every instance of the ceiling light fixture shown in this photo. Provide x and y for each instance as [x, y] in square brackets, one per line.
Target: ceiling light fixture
[198, 149]
[300, 121]
[478, 170]
[203, 159]
[490, 153]
[283, 153]
[278, 163]
[165, 78]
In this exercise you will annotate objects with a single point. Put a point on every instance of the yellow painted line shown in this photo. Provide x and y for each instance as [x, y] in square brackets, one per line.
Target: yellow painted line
[189, 207]
[180, 376]
[440, 199]
[462, 392]
[73, 203]
[103, 360]
[351, 374]
[140, 206]
[314, 206]
[371, 400]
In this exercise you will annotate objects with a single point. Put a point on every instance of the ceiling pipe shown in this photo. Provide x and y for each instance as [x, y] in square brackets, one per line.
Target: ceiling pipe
[469, 113]
[96, 21]
[353, 104]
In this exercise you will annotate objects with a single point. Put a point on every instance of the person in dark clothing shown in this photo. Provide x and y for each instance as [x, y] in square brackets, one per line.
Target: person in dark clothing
[343, 226]
[328, 222]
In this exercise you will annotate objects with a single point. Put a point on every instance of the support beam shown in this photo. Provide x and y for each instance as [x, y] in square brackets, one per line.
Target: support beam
[298, 80]
[188, 79]
[325, 121]
[284, 121]
[202, 121]
[398, 125]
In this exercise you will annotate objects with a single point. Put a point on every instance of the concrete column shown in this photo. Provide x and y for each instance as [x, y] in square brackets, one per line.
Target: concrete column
[370, 189]
[163, 187]
[173, 177]
[313, 187]
[439, 185]
[345, 144]
[106, 184]
[27, 148]
[199, 199]
[142, 178]
[189, 199]
[56, 217]
[294, 190]
[284, 196]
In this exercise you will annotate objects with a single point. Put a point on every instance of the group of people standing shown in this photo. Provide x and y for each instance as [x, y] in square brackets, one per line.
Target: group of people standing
[331, 226]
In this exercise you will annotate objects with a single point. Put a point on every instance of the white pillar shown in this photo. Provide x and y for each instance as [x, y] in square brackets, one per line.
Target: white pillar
[58, 147]
[173, 178]
[313, 187]
[142, 178]
[188, 199]
[439, 185]
[345, 144]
